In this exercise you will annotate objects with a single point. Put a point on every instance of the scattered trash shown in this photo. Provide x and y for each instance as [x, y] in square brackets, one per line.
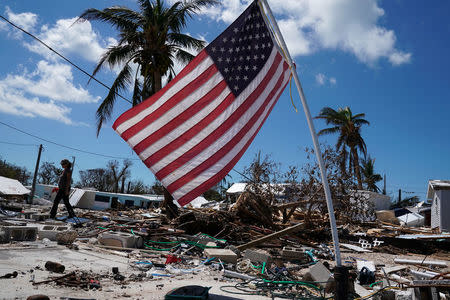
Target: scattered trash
[188, 292]
[54, 267]
[38, 297]
[10, 275]
[366, 276]
[257, 257]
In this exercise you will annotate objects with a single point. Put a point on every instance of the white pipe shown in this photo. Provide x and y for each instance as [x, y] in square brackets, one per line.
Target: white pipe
[436, 263]
[326, 187]
[399, 278]
[422, 275]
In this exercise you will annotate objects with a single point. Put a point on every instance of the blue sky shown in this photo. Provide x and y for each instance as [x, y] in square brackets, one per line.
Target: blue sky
[388, 59]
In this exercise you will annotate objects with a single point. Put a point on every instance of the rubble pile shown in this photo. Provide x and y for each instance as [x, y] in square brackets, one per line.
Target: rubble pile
[246, 255]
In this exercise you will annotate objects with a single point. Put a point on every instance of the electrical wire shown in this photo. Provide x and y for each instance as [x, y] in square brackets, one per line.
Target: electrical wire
[64, 146]
[63, 57]
[17, 144]
[283, 289]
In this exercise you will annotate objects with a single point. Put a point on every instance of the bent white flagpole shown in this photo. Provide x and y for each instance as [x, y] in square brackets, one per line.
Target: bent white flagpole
[326, 187]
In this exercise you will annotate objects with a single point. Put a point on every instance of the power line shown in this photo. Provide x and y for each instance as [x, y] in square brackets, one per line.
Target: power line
[16, 144]
[63, 57]
[60, 145]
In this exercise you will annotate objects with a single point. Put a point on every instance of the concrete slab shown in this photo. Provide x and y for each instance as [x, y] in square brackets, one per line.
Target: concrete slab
[319, 273]
[225, 255]
[290, 253]
[120, 239]
[258, 256]
[50, 232]
[22, 233]
[361, 291]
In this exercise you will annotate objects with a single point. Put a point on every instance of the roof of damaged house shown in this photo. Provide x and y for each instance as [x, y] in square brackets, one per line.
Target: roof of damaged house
[10, 186]
[436, 185]
[240, 187]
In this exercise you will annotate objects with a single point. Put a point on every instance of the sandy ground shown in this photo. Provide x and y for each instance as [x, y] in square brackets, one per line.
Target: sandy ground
[29, 263]
[23, 260]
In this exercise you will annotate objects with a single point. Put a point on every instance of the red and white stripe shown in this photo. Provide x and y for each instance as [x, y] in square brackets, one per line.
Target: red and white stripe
[193, 131]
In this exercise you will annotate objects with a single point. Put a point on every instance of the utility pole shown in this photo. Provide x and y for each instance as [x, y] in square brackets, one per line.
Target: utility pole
[33, 186]
[384, 187]
[73, 164]
[399, 196]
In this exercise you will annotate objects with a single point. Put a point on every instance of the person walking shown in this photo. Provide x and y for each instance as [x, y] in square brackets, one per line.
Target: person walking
[63, 190]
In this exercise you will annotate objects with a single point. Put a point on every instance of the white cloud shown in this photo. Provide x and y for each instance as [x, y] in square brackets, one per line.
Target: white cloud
[398, 58]
[53, 81]
[22, 94]
[228, 11]
[14, 102]
[70, 38]
[320, 79]
[291, 32]
[311, 25]
[25, 20]
[42, 92]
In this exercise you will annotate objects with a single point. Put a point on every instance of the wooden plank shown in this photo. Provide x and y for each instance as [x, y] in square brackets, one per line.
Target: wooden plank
[430, 283]
[271, 236]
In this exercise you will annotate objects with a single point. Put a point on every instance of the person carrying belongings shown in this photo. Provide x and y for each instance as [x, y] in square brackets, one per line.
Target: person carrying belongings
[63, 190]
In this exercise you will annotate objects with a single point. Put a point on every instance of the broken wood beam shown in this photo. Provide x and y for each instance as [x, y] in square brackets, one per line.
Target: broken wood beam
[258, 241]
[431, 283]
[54, 279]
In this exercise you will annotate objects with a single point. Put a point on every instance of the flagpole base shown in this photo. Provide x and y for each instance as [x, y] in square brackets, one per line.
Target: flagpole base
[341, 275]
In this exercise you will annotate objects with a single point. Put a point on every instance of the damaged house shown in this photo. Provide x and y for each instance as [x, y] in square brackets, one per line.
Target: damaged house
[439, 195]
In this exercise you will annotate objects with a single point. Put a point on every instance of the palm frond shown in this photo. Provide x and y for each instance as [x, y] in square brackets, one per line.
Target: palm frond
[105, 109]
[360, 122]
[118, 54]
[121, 18]
[185, 41]
[184, 56]
[329, 130]
[189, 8]
[137, 90]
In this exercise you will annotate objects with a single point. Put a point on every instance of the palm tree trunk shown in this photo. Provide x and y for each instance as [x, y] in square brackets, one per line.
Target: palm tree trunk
[171, 209]
[356, 167]
[157, 81]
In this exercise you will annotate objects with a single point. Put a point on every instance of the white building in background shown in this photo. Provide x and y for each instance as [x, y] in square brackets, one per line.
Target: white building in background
[379, 201]
[92, 199]
[439, 195]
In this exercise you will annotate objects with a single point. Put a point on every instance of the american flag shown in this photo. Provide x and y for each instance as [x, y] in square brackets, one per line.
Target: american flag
[192, 132]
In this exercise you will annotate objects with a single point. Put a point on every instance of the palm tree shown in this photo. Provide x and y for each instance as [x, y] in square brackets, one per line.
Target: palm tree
[149, 39]
[370, 178]
[348, 126]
